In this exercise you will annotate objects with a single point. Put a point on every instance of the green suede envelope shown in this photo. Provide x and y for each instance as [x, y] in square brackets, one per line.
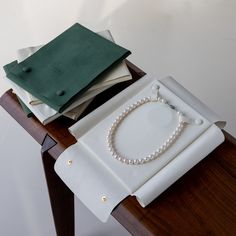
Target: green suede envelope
[65, 67]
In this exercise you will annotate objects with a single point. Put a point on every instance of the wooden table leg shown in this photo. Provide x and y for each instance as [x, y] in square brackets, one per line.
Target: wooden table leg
[61, 197]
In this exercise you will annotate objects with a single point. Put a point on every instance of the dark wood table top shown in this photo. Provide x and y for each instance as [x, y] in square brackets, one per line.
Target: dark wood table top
[202, 202]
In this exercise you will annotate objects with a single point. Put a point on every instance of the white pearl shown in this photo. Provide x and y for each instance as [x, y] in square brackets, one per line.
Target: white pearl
[131, 162]
[176, 134]
[170, 140]
[179, 129]
[160, 150]
[156, 153]
[180, 113]
[111, 131]
[152, 157]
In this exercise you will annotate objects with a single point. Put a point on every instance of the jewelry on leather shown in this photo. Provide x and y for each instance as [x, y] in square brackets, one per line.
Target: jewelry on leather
[182, 120]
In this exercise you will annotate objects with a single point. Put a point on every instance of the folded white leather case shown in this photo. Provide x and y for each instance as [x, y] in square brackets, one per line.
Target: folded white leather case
[101, 182]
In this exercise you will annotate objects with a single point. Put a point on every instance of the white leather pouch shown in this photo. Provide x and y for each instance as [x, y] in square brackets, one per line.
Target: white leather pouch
[101, 182]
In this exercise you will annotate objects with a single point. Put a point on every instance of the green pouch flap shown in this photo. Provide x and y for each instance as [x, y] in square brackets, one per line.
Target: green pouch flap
[26, 110]
[65, 67]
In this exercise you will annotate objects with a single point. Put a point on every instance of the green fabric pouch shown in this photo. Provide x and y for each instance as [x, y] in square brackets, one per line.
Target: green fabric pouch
[65, 67]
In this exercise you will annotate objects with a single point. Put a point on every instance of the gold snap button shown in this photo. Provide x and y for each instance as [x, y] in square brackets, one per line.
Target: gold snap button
[103, 198]
[69, 162]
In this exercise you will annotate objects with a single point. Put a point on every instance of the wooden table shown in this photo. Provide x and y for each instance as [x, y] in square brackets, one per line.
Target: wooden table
[202, 202]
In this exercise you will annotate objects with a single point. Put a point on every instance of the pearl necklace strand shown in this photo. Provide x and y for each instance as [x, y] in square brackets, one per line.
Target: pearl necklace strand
[177, 131]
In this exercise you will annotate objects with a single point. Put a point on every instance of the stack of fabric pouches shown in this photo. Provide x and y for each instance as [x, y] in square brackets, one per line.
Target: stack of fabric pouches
[63, 76]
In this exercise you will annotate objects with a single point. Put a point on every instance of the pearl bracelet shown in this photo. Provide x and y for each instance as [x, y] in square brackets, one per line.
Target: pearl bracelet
[177, 131]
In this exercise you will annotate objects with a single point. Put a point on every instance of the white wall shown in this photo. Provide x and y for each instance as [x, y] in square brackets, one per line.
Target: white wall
[194, 41]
